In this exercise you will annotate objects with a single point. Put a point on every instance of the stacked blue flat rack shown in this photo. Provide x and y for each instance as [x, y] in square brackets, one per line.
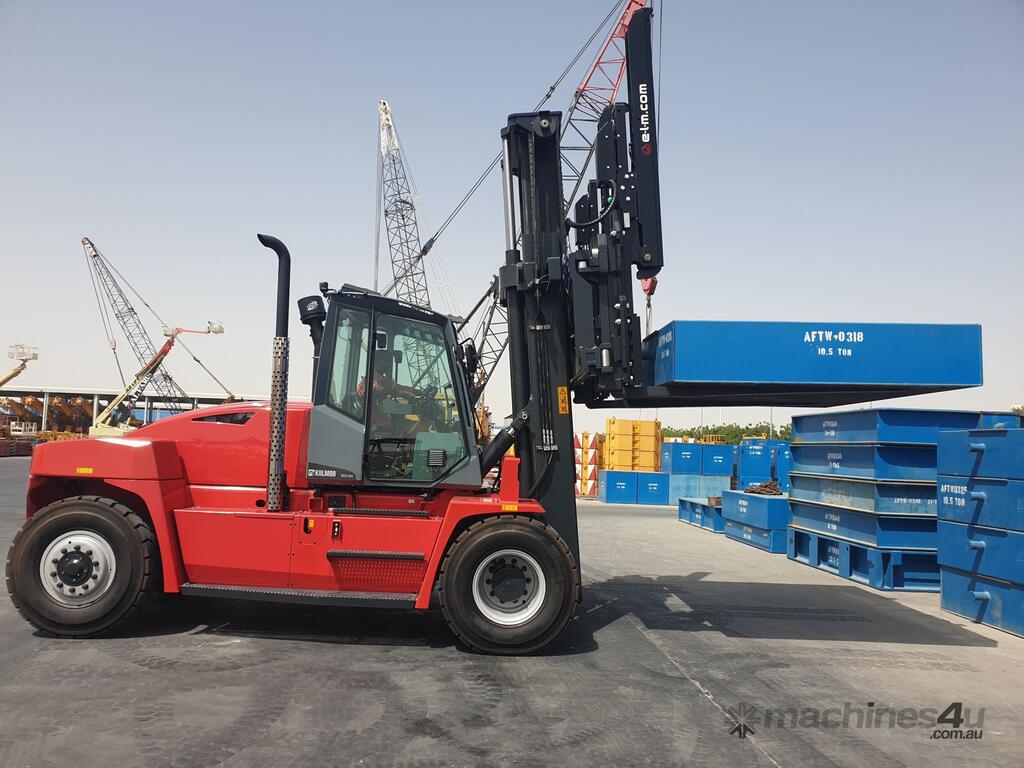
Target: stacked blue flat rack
[863, 493]
[981, 525]
[697, 470]
[757, 520]
[702, 514]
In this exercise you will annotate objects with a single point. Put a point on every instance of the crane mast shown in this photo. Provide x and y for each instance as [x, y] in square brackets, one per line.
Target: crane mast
[400, 216]
[158, 379]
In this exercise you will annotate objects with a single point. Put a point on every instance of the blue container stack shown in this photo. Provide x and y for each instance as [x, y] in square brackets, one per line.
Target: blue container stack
[757, 520]
[862, 493]
[696, 470]
[757, 461]
[981, 525]
[627, 487]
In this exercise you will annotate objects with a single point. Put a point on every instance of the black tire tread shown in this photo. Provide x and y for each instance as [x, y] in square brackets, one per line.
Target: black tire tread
[146, 539]
[470, 530]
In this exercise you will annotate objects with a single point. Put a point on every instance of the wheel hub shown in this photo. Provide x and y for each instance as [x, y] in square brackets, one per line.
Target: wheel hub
[74, 568]
[77, 568]
[509, 587]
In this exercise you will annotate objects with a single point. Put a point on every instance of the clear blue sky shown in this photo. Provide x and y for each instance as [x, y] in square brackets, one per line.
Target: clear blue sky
[821, 160]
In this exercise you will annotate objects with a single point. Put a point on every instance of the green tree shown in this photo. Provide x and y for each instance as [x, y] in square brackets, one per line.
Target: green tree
[733, 433]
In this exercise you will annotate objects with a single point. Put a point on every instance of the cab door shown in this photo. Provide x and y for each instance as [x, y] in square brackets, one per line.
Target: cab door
[337, 429]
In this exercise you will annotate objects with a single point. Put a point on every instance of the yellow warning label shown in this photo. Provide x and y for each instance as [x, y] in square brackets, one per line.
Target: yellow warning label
[509, 507]
[563, 400]
[83, 470]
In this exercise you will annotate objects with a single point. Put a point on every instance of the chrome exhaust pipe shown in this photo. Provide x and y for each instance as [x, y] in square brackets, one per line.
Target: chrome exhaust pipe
[279, 380]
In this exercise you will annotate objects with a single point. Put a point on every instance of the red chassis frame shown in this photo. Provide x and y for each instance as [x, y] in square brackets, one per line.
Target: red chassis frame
[200, 480]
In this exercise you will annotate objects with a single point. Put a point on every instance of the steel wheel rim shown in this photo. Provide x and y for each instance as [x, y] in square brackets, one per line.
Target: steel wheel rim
[77, 568]
[501, 596]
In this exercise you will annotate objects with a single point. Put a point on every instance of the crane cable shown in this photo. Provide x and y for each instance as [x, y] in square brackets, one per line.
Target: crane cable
[163, 323]
[617, 6]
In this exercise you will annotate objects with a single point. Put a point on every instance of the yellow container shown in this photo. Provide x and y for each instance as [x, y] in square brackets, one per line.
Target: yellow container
[647, 428]
[647, 444]
[616, 426]
[646, 461]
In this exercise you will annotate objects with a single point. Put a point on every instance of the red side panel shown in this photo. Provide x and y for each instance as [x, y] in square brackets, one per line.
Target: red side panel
[248, 549]
[347, 552]
[123, 458]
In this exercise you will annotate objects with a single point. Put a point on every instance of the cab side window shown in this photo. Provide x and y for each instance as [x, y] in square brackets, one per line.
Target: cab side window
[416, 429]
[347, 390]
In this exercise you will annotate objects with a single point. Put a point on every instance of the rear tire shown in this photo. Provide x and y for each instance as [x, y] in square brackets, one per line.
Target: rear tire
[81, 565]
[508, 585]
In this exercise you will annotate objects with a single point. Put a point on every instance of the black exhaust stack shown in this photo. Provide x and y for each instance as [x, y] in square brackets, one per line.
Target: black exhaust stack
[279, 381]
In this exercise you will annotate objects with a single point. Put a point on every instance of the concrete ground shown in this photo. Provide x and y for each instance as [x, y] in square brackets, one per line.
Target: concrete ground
[682, 635]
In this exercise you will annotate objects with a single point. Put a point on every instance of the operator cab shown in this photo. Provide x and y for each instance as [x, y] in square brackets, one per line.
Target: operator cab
[390, 401]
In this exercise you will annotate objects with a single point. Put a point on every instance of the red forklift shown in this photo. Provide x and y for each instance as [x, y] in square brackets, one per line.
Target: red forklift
[373, 495]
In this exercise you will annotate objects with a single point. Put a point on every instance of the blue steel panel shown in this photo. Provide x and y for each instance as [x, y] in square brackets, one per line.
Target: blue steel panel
[717, 460]
[713, 485]
[866, 495]
[987, 601]
[756, 510]
[870, 462]
[984, 501]
[770, 540]
[818, 353]
[781, 461]
[991, 552]
[709, 517]
[983, 453]
[615, 487]
[652, 488]
[756, 459]
[889, 570]
[891, 425]
[683, 487]
[681, 458]
[684, 510]
[869, 529]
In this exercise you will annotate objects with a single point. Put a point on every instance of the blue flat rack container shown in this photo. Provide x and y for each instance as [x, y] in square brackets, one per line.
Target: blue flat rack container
[756, 510]
[681, 458]
[709, 517]
[756, 458]
[891, 425]
[701, 514]
[713, 485]
[888, 498]
[870, 462]
[997, 603]
[992, 552]
[615, 487]
[866, 528]
[991, 502]
[890, 570]
[769, 539]
[905, 356]
[684, 510]
[983, 453]
[652, 488]
[718, 460]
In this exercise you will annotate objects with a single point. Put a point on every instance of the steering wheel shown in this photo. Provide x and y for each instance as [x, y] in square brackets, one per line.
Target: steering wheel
[354, 404]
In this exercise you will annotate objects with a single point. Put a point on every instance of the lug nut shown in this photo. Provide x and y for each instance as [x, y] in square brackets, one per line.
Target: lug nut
[60, 586]
[78, 547]
[88, 553]
[95, 577]
[95, 564]
[64, 550]
[55, 561]
[53, 574]
[86, 586]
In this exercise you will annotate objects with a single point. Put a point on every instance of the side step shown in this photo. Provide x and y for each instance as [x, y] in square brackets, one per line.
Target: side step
[303, 596]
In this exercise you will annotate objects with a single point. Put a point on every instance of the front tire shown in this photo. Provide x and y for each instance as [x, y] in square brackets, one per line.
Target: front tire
[80, 566]
[508, 585]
